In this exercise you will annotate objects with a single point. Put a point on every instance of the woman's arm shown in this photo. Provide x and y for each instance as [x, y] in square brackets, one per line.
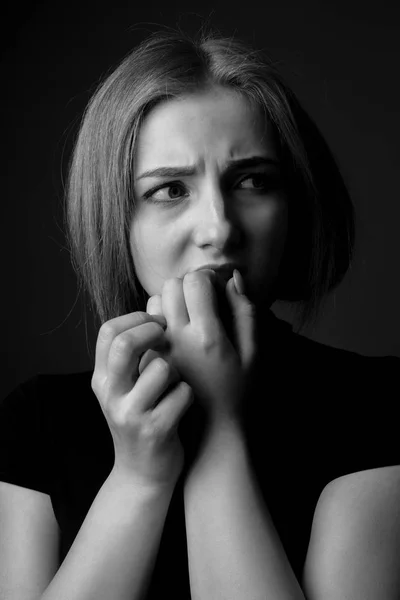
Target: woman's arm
[113, 555]
[234, 551]
[354, 550]
[29, 542]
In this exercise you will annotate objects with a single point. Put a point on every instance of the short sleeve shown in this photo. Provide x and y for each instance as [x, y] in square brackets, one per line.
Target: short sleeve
[23, 451]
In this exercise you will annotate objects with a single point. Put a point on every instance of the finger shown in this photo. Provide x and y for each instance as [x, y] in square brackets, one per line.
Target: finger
[244, 323]
[201, 301]
[150, 355]
[109, 331]
[147, 357]
[154, 306]
[224, 311]
[171, 408]
[123, 358]
[156, 378]
[173, 304]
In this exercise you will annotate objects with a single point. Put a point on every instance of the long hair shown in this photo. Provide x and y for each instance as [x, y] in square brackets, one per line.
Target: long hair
[100, 203]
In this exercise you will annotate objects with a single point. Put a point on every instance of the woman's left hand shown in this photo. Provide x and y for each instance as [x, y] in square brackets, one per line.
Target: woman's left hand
[215, 368]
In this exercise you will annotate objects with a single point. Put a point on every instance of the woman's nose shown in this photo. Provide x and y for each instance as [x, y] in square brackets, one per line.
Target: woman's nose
[215, 222]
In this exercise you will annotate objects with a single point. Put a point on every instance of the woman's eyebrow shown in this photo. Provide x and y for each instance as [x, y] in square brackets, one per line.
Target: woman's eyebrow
[242, 163]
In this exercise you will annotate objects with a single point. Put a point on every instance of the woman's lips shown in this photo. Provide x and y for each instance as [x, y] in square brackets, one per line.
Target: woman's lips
[224, 273]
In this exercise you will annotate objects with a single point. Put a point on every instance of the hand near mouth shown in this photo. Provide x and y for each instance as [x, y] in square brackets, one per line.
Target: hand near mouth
[210, 338]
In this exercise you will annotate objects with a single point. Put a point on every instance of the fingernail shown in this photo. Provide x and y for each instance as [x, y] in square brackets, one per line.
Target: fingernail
[238, 281]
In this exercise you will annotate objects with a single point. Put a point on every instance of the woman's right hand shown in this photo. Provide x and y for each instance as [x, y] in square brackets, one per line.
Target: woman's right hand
[143, 418]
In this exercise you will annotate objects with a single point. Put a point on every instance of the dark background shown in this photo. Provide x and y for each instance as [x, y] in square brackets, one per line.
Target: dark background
[342, 62]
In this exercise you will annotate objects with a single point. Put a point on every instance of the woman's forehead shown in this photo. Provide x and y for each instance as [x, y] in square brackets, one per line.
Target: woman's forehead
[218, 123]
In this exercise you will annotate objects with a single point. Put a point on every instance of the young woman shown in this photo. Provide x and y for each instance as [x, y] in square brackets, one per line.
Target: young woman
[212, 452]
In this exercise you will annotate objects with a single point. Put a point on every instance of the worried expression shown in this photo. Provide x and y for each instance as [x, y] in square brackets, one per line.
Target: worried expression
[208, 190]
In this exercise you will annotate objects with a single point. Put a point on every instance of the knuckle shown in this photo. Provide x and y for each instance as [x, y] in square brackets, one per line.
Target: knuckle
[98, 385]
[106, 331]
[208, 341]
[109, 328]
[121, 344]
[115, 419]
[122, 415]
[120, 419]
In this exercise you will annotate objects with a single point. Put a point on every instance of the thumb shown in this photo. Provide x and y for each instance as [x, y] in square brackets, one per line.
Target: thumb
[243, 312]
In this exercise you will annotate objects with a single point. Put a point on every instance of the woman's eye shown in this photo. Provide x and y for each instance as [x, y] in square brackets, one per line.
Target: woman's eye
[165, 193]
[256, 181]
[174, 191]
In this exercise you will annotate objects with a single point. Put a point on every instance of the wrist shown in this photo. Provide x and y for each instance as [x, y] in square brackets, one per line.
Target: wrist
[223, 439]
[131, 483]
[223, 423]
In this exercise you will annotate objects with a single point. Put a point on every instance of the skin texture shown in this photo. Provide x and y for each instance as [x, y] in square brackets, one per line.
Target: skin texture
[216, 219]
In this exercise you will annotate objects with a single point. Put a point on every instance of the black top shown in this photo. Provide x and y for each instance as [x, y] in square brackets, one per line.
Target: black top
[315, 413]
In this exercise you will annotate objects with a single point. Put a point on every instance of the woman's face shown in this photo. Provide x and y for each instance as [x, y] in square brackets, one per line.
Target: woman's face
[208, 189]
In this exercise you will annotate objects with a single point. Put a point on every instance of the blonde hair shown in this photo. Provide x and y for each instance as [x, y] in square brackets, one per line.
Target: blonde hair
[100, 202]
